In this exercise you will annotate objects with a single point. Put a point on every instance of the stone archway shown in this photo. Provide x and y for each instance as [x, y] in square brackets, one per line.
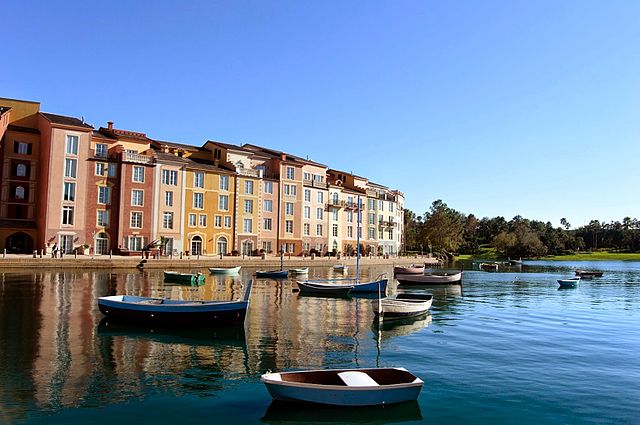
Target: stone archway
[19, 243]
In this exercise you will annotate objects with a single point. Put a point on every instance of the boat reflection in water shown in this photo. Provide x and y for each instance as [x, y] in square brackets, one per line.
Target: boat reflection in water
[400, 327]
[291, 413]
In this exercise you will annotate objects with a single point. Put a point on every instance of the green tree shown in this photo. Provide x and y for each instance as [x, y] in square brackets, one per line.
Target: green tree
[443, 228]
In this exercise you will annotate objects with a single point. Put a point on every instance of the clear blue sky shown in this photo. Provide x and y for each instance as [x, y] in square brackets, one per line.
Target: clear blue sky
[499, 108]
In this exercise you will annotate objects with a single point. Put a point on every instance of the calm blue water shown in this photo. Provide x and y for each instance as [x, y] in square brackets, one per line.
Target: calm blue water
[507, 347]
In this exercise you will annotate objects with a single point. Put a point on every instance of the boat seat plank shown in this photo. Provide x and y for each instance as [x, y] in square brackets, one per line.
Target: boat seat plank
[357, 379]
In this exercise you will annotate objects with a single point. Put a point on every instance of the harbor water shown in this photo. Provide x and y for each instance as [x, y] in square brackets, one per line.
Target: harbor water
[505, 347]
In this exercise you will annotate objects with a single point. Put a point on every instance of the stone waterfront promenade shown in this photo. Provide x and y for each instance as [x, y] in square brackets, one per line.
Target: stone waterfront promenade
[16, 262]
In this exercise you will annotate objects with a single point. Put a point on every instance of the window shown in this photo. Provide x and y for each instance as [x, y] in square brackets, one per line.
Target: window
[223, 202]
[192, 220]
[307, 212]
[266, 245]
[202, 220]
[390, 234]
[372, 233]
[170, 177]
[288, 226]
[136, 220]
[222, 245]
[112, 170]
[350, 231]
[248, 206]
[381, 205]
[268, 205]
[21, 148]
[390, 206]
[198, 200]
[267, 224]
[70, 166]
[67, 215]
[268, 187]
[224, 182]
[350, 216]
[69, 191]
[288, 208]
[227, 221]
[307, 195]
[307, 176]
[167, 220]
[380, 219]
[137, 197]
[372, 204]
[319, 213]
[318, 178]
[72, 145]
[306, 229]
[290, 173]
[335, 214]
[102, 219]
[335, 198]
[101, 150]
[290, 189]
[21, 170]
[104, 195]
[101, 169]
[138, 174]
[372, 218]
[320, 197]
[135, 243]
[198, 179]
[217, 221]
[248, 187]
[248, 225]
[19, 192]
[319, 230]
[334, 231]
[168, 198]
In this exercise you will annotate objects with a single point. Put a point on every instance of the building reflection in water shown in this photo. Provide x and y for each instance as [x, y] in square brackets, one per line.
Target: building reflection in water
[57, 351]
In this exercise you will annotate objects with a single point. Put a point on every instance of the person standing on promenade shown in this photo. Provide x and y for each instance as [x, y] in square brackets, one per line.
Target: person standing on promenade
[54, 250]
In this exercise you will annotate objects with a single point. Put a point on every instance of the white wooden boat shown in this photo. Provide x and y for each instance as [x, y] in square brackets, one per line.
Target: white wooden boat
[165, 312]
[224, 270]
[569, 283]
[403, 305]
[443, 278]
[303, 270]
[345, 387]
[412, 269]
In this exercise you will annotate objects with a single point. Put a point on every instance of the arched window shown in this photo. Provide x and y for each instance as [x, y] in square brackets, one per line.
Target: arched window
[21, 170]
[102, 243]
[196, 245]
[222, 245]
[19, 192]
[335, 245]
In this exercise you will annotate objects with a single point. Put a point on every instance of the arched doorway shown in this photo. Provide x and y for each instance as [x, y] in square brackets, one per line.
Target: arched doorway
[196, 245]
[19, 243]
[247, 247]
[222, 245]
[102, 244]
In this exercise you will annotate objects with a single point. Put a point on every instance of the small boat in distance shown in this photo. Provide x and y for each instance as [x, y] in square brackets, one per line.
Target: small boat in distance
[403, 305]
[165, 312]
[184, 278]
[569, 283]
[489, 267]
[412, 269]
[303, 270]
[436, 278]
[224, 270]
[340, 268]
[588, 273]
[344, 387]
[335, 289]
[273, 274]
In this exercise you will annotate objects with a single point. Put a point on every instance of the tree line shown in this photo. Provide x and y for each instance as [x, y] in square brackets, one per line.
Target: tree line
[446, 232]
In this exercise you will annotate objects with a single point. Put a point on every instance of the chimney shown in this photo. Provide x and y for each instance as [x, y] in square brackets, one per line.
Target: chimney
[110, 125]
[284, 156]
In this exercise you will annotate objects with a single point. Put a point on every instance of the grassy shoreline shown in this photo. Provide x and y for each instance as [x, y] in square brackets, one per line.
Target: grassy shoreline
[593, 256]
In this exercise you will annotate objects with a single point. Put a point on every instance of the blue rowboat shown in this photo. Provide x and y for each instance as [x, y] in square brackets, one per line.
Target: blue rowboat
[165, 312]
[335, 290]
[274, 274]
[224, 270]
[356, 286]
[345, 387]
[569, 283]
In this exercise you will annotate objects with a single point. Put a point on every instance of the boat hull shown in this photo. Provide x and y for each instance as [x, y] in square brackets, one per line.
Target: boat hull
[183, 278]
[568, 283]
[173, 313]
[400, 308]
[408, 270]
[272, 274]
[337, 394]
[335, 290]
[430, 279]
[222, 270]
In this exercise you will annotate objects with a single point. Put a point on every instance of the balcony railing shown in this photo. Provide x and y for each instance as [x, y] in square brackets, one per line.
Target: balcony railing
[388, 224]
[136, 157]
[248, 172]
[316, 183]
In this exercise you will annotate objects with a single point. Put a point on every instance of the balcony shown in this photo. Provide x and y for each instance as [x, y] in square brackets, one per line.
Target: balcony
[316, 183]
[354, 206]
[137, 158]
[388, 224]
[336, 203]
[248, 172]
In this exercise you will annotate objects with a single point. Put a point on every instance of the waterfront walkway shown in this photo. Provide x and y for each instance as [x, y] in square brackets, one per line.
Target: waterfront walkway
[13, 262]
